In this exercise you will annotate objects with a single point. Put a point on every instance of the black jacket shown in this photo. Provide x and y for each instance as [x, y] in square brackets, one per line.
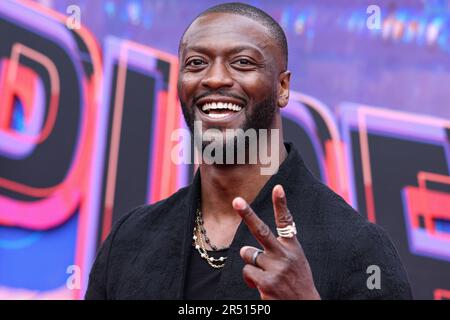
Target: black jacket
[146, 254]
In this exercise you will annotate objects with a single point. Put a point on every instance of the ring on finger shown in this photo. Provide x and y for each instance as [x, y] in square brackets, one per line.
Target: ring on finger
[255, 256]
[288, 231]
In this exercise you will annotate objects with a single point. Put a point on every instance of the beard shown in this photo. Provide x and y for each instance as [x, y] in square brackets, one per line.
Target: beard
[261, 116]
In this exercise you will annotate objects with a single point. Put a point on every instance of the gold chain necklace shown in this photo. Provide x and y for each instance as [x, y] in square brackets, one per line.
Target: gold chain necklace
[199, 242]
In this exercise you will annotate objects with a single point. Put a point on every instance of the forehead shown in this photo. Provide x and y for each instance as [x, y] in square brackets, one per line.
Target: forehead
[219, 30]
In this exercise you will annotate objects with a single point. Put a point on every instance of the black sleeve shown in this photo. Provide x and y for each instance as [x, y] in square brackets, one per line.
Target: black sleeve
[97, 277]
[373, 247]
[97, 287]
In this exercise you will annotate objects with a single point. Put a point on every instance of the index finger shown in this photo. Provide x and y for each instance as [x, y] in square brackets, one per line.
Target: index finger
[283, 217]
[256, 226]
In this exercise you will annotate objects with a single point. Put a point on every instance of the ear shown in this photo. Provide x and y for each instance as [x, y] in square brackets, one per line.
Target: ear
[283, 88]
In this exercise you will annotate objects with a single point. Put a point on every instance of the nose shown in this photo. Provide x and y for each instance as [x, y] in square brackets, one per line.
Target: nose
[217, 77]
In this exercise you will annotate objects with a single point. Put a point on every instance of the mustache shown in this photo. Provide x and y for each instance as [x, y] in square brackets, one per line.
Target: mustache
[221, 93]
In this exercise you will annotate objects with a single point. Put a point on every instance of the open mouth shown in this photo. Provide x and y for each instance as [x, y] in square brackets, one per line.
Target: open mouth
[218, 110]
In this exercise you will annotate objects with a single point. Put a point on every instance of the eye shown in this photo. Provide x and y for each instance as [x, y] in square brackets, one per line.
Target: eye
[243, 63]
[196, 62]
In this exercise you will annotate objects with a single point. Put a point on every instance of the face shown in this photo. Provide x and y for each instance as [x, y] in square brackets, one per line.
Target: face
[231, 74]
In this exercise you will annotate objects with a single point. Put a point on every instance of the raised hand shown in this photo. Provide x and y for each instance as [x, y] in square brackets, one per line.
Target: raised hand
[281, 270]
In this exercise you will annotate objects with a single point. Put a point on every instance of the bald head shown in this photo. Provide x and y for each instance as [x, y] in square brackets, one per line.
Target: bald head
[274, 30]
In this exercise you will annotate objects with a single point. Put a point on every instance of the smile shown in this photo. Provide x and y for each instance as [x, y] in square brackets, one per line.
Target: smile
[219, 110]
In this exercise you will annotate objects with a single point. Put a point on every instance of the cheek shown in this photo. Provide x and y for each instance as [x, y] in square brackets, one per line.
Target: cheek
[186, 87]
[257, 87]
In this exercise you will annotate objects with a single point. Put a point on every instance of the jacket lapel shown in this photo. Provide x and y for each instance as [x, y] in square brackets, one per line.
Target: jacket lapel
[190, 206]
[165, 265]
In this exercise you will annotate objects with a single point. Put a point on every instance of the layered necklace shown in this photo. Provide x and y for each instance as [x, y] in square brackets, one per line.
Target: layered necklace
[201, 239]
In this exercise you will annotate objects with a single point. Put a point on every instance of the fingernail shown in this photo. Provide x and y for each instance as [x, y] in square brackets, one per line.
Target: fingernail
[280, 191]
[239, 203]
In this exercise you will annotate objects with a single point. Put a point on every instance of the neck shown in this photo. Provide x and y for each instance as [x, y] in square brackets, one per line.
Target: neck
[222, 183]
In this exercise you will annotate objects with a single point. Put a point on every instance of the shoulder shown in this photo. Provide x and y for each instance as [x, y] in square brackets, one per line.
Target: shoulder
[373, 268]
[346, 227]
[141, 218]
[321, 207]
[353, 229]
[357, 247]
[129, 236]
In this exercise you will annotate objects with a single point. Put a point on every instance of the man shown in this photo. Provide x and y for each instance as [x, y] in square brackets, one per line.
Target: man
[216, 239]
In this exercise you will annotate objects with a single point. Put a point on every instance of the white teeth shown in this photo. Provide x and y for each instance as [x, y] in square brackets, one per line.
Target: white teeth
[221, 105]
[218, 115]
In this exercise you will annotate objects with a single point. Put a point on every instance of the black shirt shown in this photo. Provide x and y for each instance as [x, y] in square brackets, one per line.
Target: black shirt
[201, 278]
[146, 255]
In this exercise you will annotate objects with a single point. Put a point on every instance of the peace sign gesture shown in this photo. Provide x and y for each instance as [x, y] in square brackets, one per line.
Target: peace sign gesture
[281, 271]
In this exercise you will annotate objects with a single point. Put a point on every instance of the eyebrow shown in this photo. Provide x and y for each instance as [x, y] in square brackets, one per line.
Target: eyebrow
[233, 50]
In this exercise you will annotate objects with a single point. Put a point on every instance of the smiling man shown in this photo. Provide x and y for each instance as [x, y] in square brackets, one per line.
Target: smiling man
[235, 233]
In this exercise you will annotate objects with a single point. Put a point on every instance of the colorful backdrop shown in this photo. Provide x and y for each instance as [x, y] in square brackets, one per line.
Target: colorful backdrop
[88, 103]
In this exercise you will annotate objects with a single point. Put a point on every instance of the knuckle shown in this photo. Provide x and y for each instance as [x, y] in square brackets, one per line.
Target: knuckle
[290, 258]
[284, 267]
[282, 202]
[246, 270]
[247, 254]
[276, 276]
[266, 283]
[270, 283]
[247, 212]
[286, 218]
[287, 262]
[263, 231]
